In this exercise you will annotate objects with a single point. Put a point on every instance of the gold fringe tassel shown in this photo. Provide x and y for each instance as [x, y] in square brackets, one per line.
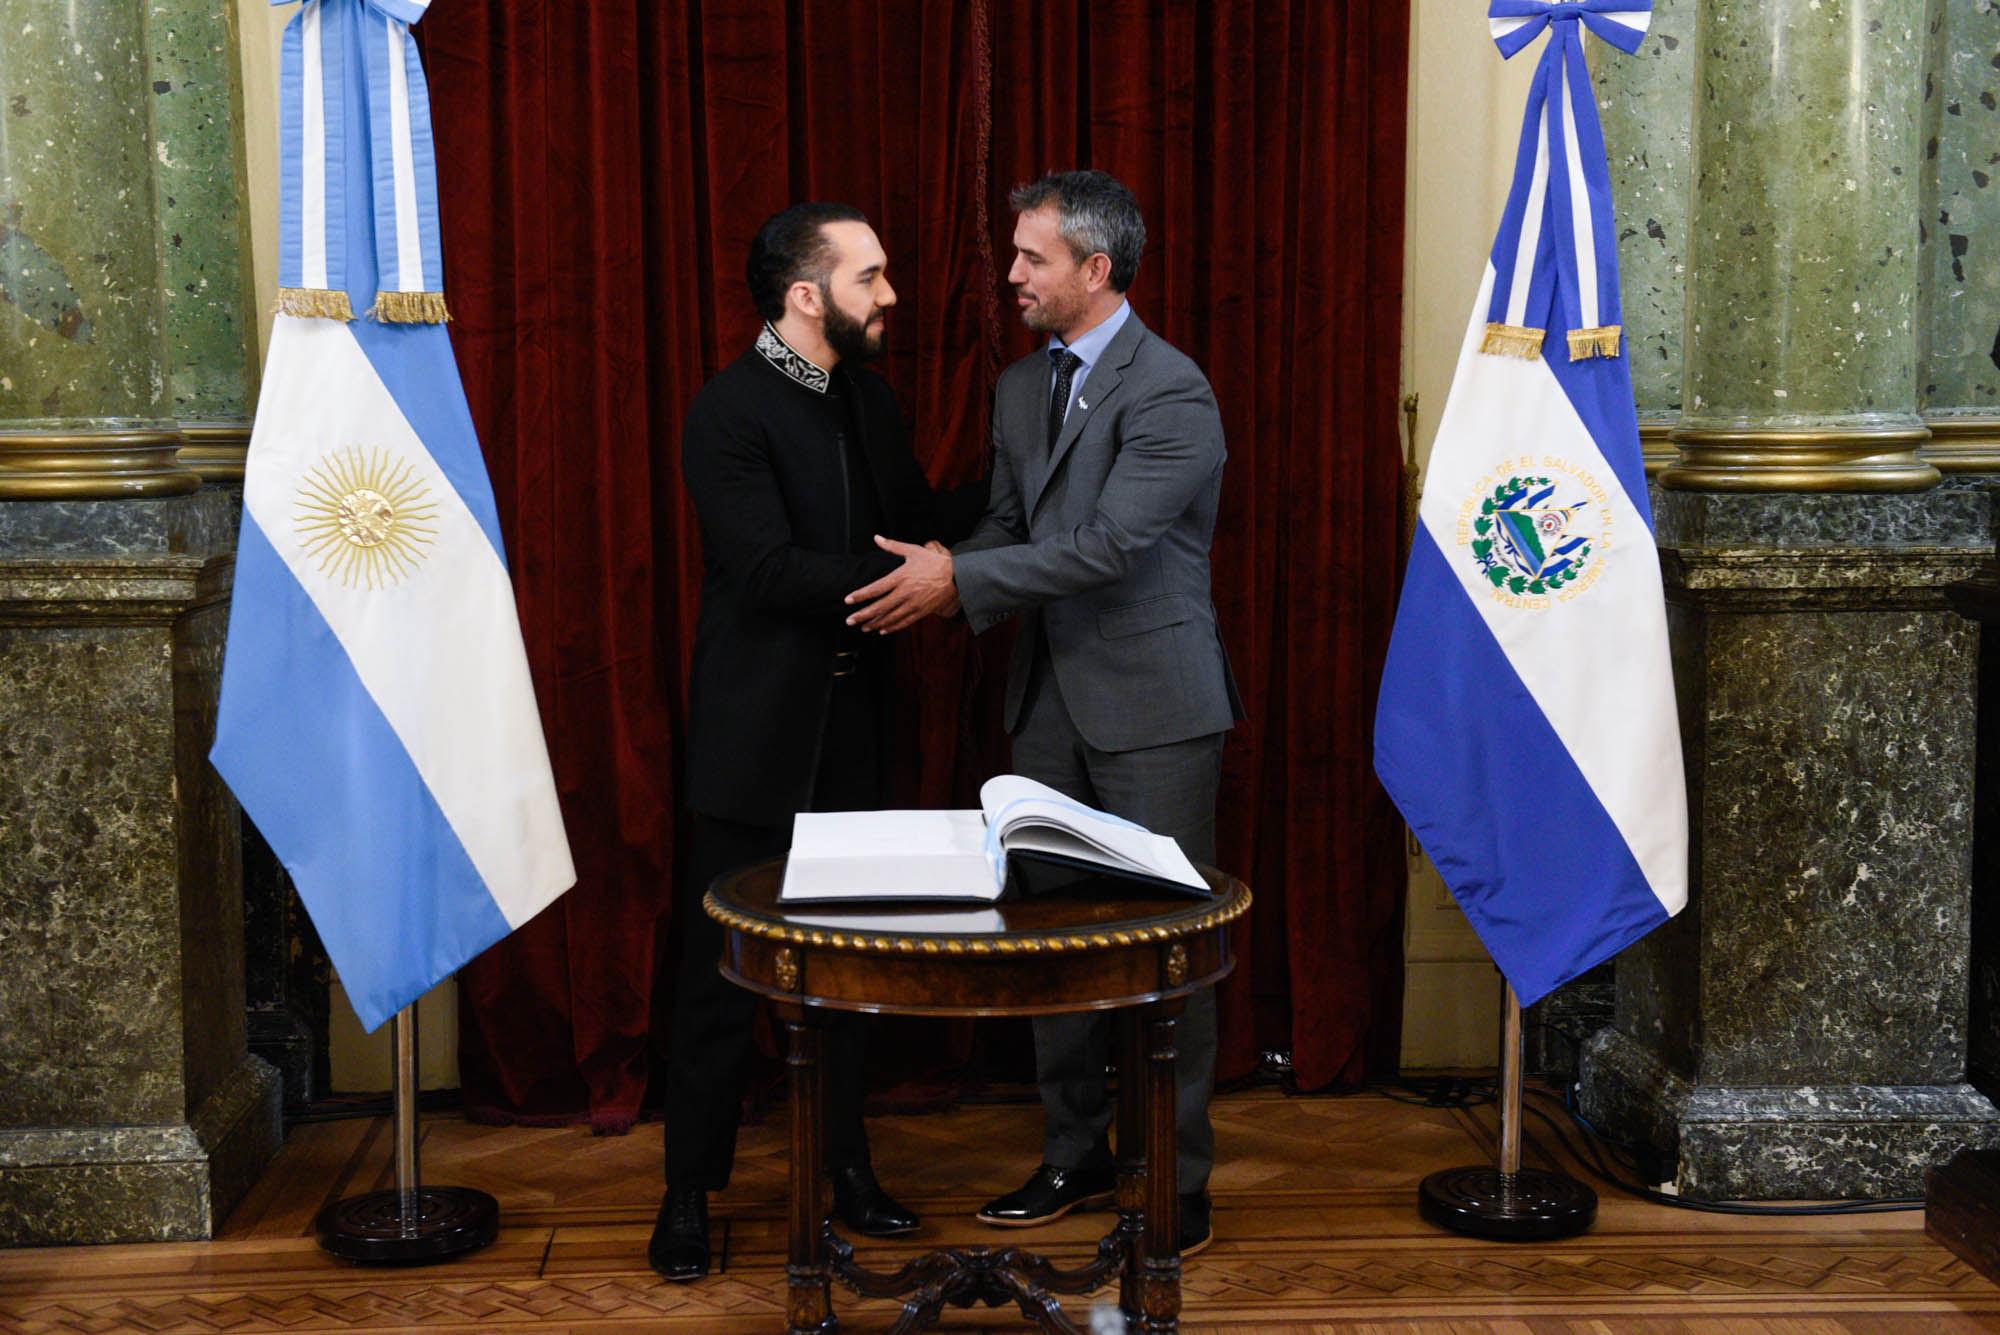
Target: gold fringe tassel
[409, 308]
[1600, 342]
[313, 303]
[1513, 340]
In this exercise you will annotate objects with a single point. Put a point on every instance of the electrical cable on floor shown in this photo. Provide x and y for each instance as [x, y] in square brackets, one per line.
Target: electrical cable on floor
[1446, 1091]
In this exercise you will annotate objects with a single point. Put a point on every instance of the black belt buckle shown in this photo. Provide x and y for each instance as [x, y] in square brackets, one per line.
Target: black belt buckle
[846, 662]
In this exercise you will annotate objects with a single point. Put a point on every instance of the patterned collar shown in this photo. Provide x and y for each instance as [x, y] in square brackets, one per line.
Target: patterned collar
[796, 367]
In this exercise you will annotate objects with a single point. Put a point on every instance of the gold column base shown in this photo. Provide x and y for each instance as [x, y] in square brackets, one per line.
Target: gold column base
[1868, 459]
[94, 465]
[215, 452]
[1961, 445]
[1656, 446]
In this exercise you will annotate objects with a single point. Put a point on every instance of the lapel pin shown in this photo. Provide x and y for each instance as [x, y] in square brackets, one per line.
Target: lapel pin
[1081, 402]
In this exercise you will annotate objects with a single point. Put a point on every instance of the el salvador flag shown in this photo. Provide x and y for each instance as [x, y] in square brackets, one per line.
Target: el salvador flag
[1527, 725]
[377, 720]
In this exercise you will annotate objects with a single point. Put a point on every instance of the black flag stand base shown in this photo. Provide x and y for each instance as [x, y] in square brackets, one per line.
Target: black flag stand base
[412, 1224]
[1508, 1203]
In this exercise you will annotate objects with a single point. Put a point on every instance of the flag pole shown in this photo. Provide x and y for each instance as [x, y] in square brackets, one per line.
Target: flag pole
[1508, 1203]
[1510, 1085]
[411, 1223]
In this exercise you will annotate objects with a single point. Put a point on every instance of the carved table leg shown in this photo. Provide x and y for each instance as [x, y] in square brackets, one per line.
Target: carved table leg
[1160, 1269]
[809, 1298]
[1132, 1077]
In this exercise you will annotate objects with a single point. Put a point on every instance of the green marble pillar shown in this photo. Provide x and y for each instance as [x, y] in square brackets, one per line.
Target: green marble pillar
[1959, 324]
[1802, 1029]
[83, 384]
[130, 1107]
[198, 171]
[1803, 256]
[1646, 102]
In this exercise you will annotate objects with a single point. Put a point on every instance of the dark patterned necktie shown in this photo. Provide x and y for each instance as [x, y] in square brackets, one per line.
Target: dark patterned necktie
[1066, 364]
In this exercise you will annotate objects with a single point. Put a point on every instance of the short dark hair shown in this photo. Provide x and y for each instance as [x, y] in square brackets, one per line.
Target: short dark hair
[792, 246]
[1093, 213]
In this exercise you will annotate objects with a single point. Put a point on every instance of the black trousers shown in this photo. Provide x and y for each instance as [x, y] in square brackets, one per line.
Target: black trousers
[713, 1018]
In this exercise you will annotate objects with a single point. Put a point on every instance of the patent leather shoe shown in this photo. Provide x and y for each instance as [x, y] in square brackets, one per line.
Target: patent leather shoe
[1051, 1193]
[679, 1247]
[861, 1204]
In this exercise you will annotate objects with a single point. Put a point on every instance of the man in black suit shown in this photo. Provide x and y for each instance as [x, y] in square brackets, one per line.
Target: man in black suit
[795, 459]
[1107, 471]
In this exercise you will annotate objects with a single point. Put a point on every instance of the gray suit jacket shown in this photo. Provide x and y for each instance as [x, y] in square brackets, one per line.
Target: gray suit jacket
[1107, 536]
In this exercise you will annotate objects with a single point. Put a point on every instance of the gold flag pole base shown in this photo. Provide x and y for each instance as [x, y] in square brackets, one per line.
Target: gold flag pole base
[412, 1224]
[1508, 1203]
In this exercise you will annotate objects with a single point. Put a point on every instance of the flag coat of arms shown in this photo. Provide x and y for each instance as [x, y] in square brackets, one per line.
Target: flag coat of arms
[1527, 726]
[377, 721]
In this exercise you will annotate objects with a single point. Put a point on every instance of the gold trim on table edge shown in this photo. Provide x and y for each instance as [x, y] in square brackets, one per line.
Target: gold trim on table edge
[1053, 944]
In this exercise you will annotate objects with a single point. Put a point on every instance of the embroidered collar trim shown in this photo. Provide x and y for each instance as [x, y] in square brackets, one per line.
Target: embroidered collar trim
[797, 368]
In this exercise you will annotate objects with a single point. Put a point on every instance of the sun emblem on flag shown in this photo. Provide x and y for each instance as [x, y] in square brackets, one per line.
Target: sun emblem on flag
[1536, 538]
[364, 517]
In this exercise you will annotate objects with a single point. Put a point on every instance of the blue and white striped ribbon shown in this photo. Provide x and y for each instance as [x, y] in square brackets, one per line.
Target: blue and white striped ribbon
[319, 127]
[1556, 241]
[312, 165]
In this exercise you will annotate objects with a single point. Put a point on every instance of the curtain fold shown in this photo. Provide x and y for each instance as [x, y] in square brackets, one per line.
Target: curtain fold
[603, 165]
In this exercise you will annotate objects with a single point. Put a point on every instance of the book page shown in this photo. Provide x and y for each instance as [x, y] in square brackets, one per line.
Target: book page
[1035, 816]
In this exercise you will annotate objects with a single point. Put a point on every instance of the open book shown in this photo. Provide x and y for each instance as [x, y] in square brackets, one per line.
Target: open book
[1026, 839]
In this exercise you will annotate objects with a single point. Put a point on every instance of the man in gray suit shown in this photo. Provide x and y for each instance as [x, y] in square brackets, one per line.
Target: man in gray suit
[1107, 466]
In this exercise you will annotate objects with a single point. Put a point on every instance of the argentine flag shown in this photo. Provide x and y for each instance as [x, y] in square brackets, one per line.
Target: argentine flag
[1527, 726]
[377, 721]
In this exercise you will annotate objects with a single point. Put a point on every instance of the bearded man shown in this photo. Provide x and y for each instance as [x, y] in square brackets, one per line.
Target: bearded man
[795, 459]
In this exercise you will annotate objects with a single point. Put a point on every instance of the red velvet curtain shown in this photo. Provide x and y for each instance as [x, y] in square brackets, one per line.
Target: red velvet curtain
[603, 164]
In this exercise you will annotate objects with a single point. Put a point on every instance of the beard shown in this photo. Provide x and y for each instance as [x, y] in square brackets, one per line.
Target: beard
[1053, 312]
[848, 337]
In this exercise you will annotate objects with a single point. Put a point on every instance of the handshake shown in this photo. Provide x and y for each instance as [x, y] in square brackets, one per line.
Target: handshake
[922, 586]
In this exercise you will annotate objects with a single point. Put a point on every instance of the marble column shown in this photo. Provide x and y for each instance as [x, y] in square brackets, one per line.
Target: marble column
[1961, 399]
[1804, 1029]
[130, 1107]
[83, 389]
[1801, 1030]
[1803, 259]
[1646, 103]
[209, 318]
[1959, 318]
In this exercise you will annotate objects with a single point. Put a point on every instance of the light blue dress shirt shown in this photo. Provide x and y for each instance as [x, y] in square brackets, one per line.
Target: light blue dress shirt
[1088, 349]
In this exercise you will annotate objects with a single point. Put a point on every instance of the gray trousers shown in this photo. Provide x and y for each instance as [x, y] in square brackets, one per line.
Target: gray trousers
[1170, 790]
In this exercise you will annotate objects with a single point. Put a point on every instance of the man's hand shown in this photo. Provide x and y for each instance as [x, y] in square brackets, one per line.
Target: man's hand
[922, 586]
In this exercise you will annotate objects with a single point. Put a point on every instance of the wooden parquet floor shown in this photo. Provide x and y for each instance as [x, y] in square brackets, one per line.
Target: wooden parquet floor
[1317, 1234]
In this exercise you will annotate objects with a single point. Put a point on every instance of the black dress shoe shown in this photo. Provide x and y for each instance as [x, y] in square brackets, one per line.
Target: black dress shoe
[1051, 1193]
[1195, 1231]
[679, 1249]
[867, 1209]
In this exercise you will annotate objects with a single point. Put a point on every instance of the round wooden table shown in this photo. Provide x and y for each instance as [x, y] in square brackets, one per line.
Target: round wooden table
[1139, 955]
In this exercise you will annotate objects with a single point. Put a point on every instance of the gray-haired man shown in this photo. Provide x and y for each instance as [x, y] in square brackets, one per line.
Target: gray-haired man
[1107, 470]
